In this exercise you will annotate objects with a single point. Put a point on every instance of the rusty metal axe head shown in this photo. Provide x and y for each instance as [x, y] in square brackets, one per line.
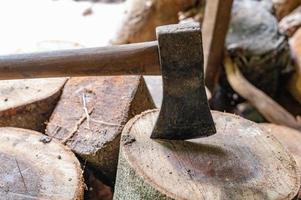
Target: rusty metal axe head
[184, 113]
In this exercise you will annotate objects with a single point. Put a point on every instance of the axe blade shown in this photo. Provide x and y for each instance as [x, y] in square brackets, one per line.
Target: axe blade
[185, 112]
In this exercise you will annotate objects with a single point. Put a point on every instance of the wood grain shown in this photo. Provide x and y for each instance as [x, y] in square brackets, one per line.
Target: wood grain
[133, 59]
[241, 161]
[91, 114]
[29, 103]
[290, 138]
[34, 167]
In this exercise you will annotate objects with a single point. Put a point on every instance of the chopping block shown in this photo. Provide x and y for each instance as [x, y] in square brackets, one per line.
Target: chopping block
[166, 153]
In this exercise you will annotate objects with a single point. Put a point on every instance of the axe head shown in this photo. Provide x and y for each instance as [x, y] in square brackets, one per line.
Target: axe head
[185, 112]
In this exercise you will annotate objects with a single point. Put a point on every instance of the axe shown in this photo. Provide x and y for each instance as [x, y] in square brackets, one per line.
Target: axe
[177, 55]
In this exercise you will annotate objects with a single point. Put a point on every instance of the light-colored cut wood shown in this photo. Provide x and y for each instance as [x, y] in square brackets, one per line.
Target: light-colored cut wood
[290, 138]
[28, 103]
[91, 114]
[143, 16]
[241, 161]
[34, 167]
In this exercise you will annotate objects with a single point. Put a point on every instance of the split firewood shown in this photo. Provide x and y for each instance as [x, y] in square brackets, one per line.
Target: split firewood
[290, 23]
[294, 85]
[28, 103]
[288, 137]
[258, 49]
[241, 161]
[91, 114]
[270, 109]
[143, 16]
[284, 7]
[35, 167]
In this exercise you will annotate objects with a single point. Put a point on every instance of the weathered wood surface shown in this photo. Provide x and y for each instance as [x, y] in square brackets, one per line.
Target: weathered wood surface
[290, 138]
[143, 16]
[133, 59]
[241, 161]
[28, 103]
[91, 114]
[290, 23]
[256, 45]
[284, 7]
[32, 167]
[295, 81]
[214, 30]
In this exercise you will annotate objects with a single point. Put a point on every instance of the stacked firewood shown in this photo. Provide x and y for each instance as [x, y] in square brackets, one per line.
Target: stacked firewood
[80, 120]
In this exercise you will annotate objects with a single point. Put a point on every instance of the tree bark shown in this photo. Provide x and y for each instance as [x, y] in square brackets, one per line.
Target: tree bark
[223, 166]
[91, 114]
[35, 167]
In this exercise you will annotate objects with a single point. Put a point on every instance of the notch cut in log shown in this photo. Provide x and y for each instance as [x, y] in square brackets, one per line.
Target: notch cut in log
[28, 103]
[290, 138]
[91, 114]
[240, 161]
[35, 167]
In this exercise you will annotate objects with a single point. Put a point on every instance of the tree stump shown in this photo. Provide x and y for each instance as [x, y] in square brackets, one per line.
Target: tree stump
[29, 103]
[91, 114]
[255, 44]
[290, 138]
[35, 167]
[239, 162]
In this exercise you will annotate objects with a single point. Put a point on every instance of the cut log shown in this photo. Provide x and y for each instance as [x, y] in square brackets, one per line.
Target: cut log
[91, 114]
[239, 162]
[290, 138]
[256, 45]
[295, 81]
[270, 109]
[143, 16]
[35, 167]
[28, 103]
[284, 7]
[290, 23]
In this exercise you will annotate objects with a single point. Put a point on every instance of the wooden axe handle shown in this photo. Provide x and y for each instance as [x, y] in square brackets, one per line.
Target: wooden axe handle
[132, 59]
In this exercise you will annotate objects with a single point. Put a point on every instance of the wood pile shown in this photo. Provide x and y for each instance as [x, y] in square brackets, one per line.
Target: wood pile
[93, 132]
